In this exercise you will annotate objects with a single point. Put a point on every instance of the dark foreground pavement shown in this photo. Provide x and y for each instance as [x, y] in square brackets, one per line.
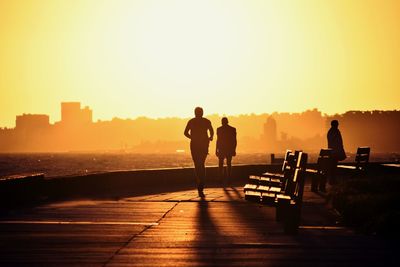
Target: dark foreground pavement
[179, 229]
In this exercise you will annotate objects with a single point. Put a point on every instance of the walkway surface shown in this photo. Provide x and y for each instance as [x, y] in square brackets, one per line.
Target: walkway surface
[179, 229]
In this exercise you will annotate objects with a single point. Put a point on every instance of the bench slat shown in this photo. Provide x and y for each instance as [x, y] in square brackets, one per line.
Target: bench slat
[364, 150]
[348, 167]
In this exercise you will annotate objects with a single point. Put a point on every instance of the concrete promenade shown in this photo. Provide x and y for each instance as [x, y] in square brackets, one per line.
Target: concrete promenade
[180, 229]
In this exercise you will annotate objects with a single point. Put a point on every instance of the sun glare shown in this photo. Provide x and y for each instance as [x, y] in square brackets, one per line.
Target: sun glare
[162, 58]
[191, 52]
[174, 47]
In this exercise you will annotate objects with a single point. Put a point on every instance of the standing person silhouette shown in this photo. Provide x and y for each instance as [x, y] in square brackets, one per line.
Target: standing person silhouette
[335, 142]
[197, 130]
[226, 148]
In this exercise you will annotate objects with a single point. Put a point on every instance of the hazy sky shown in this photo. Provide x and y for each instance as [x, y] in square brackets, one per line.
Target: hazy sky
[163, 58]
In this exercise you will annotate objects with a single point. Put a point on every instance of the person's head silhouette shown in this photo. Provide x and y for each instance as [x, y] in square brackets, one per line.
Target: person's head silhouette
[198, 112]
[334, 124]
[224, 121]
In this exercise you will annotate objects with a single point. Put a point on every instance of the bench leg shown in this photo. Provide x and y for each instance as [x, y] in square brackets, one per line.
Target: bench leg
[314, 183]
[291, 221]
[322, 183]
[278, 213]
[282, 209]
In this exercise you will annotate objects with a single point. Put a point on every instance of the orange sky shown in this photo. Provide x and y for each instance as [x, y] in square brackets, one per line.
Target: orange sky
[163, 58]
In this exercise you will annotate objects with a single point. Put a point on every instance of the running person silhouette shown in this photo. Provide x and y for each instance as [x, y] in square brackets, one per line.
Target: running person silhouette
[200, 132]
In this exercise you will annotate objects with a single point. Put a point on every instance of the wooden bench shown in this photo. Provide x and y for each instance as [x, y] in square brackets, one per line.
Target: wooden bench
[287, 196]
[324, 168]
[271, 190]
[288, 200]
[361, 160]
[268, 179]
[289, 203]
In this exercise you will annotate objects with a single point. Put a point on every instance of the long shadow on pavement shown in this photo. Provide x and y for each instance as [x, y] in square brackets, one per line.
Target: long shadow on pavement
[209, 238]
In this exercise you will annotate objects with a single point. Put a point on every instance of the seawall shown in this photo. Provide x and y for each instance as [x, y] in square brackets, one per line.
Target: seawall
[36, 189]
[118, 184]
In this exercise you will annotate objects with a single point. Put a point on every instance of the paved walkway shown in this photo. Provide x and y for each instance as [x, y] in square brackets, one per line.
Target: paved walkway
[179, 229]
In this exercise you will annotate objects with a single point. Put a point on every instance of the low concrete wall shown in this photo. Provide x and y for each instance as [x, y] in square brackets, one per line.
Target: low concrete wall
[34, 190]
[114, 184]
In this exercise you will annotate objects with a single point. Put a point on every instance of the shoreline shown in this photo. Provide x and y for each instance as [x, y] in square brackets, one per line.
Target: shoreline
[32, 190]
[113, 184]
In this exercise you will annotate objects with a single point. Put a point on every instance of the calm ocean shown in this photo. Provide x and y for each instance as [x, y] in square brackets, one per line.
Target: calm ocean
[71, 164]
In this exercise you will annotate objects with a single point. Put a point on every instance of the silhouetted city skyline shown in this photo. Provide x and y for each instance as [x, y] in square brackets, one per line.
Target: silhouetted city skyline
[76, 131]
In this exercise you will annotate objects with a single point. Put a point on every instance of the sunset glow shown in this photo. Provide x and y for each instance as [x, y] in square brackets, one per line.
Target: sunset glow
[162, 58]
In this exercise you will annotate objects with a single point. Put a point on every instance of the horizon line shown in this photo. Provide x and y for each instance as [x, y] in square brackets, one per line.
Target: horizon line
[209, 115]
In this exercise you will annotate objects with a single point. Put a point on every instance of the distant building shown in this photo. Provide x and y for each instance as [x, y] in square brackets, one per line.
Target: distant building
[270, 130]
[269, 136]
[72, 114]
[31, 122]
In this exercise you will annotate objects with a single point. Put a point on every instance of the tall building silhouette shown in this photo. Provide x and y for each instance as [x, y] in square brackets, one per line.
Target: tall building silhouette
[72, 114]
[270, 134]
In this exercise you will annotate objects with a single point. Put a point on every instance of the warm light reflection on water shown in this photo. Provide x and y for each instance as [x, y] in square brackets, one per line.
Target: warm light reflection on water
[70, 164]
[66, 164]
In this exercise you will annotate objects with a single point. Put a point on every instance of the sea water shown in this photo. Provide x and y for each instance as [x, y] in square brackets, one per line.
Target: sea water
[72, 164]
